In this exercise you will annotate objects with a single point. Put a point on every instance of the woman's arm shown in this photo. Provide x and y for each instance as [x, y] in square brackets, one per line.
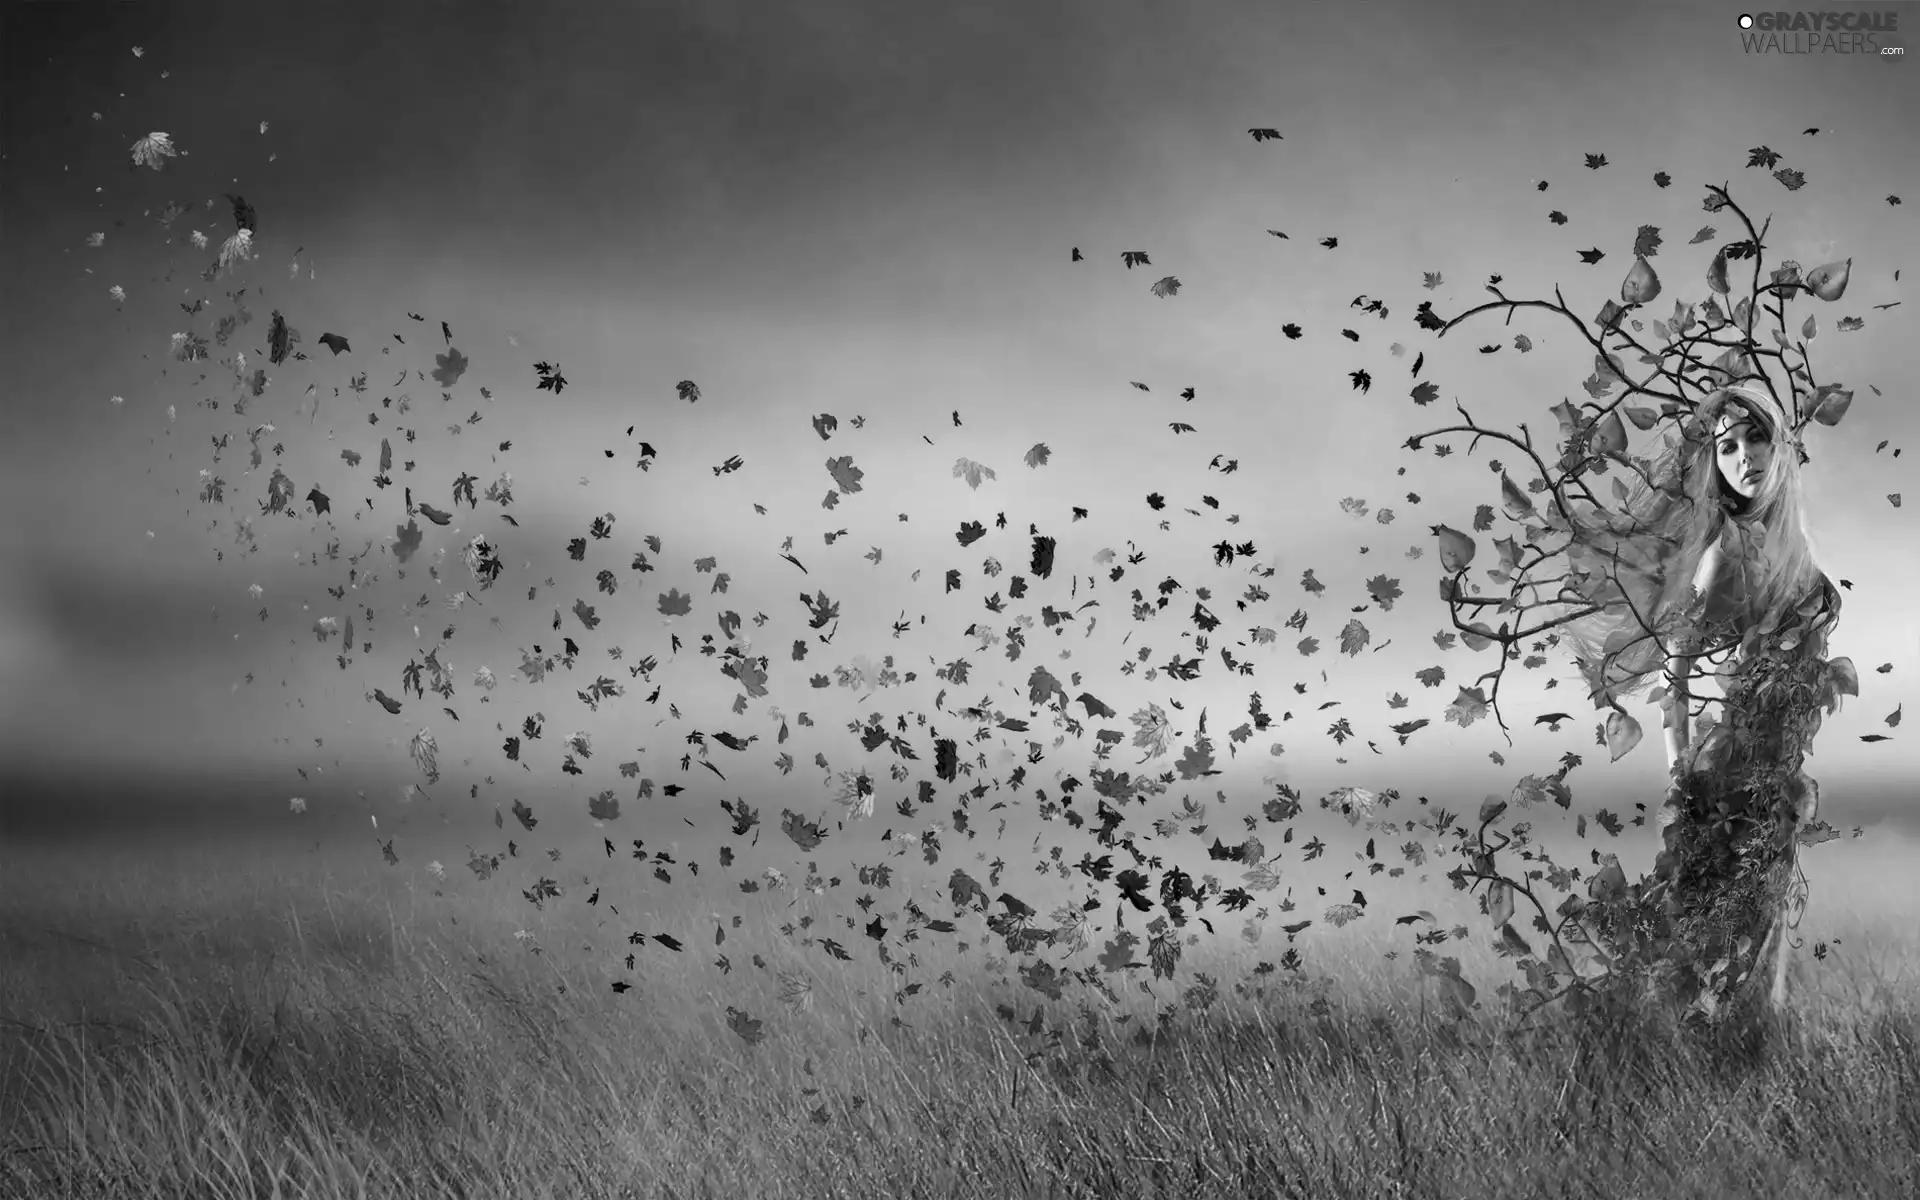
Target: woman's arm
[1678, 704]
[1679, 701]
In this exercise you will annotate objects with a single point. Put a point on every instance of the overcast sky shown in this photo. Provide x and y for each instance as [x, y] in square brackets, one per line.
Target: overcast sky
[869, 210]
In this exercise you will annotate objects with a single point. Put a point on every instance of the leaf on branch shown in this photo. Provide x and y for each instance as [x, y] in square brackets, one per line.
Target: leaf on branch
[1499, 903]
[1622, 732]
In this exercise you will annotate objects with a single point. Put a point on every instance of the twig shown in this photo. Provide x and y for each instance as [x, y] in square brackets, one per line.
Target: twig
[1575, 463]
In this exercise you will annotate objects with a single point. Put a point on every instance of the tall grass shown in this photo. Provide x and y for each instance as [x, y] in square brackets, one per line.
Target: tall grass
[326, 1043]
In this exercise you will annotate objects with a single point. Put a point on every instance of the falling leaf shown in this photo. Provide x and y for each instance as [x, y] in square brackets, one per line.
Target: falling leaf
[153, 150]
[449, 367]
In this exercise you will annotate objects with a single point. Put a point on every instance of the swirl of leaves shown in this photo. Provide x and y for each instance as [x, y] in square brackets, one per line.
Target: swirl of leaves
[1090, 803]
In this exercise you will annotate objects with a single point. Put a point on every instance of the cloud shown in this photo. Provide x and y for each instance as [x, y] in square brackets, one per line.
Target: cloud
[78, 610]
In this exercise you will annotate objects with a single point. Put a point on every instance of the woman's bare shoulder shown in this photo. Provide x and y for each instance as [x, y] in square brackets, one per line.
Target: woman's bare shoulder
[1707, 571]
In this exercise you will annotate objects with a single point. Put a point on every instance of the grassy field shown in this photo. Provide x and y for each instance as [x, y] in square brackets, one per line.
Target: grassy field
[225, 1022]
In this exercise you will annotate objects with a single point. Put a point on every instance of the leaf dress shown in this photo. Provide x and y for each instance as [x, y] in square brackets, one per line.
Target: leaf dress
[1709, 924]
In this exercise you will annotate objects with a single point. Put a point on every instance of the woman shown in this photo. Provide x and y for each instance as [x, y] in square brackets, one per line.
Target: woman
[1712, 562]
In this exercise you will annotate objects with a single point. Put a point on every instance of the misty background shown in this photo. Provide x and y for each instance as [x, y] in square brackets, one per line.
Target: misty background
[866, 211]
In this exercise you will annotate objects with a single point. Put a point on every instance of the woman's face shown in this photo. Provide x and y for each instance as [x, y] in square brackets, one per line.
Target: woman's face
[1742, 448]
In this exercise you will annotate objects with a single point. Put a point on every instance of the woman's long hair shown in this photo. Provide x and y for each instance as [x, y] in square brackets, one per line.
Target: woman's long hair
[1639, 564]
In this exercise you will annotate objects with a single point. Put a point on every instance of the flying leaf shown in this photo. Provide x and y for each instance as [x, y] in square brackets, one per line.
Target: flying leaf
[449, 367]
[748, 1029]
[972, 472]
[406, 540]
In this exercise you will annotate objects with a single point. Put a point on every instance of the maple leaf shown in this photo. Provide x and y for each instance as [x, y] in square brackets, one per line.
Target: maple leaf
[804, 833]
[335, 343]
[1469, 706]
[1152, 730]
[1592, 256]
[603, 807]
[688, 390]
[1197, 761]
[406, 540]
[449, 367]
[846, 476]
[745, 816]
[153, 150]
[1163, 954]
[1117, 954]
[824, 611]
[1354, 638]
[748, 1029]
[424, 751]
[585, 613]
[1044, 978]
[1132, 886]
[1384, 591]
[972, 472]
